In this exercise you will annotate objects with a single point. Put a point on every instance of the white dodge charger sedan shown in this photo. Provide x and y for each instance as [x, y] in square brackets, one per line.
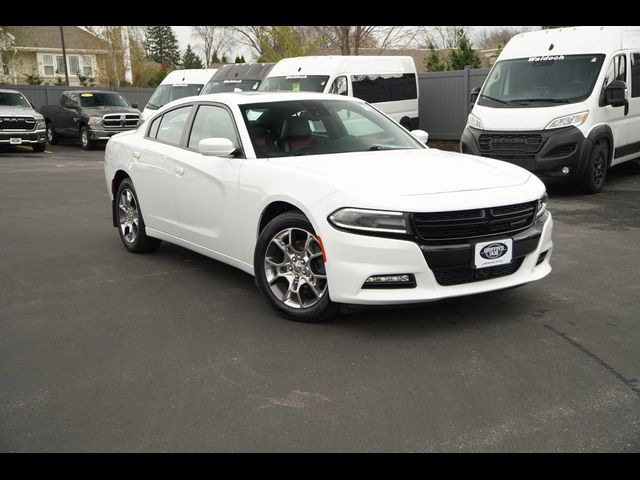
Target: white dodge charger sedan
[326, 201]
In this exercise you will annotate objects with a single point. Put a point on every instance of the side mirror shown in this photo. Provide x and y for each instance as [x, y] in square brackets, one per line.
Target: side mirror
[615, 94]
[216, 147]
[421, 136]
[474, 95]
[134, 105]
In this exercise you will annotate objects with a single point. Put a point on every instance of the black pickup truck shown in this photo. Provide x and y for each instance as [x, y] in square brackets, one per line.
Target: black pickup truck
[92, 115]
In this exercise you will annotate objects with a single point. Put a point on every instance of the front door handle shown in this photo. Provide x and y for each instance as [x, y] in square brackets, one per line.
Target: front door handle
[136, 155]
[179, 171]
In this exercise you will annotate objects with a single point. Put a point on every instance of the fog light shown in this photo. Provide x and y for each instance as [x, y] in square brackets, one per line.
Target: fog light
[565, 170]
[401, 280]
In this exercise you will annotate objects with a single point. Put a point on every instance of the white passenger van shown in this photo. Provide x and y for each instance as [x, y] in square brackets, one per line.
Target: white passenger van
[177, 84]
[388, 82]
[562, 103]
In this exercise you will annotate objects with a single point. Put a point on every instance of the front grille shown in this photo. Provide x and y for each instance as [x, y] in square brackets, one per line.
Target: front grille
[120, 120]
[467, 274]
[20, 124]
[512, 143]
[467, 224]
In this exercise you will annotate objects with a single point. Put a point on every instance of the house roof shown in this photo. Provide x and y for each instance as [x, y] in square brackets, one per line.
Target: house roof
[48, 37]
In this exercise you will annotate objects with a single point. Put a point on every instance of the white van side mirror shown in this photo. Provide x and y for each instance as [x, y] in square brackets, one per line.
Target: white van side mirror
[217, 147]
[421, 136]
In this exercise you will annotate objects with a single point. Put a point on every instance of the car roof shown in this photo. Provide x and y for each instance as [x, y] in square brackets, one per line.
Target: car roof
[6, 90]
[241, 98]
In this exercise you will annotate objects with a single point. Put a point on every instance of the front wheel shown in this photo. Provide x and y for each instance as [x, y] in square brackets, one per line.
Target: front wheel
[52, 136]
[130, 222]
[39, 147]
[595, 173]
[290, 270]
[85, 139]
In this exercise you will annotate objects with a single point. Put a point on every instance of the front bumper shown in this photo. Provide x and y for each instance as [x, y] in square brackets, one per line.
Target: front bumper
[101, 134]
[29, 138]
[352, 258]
[543, 152]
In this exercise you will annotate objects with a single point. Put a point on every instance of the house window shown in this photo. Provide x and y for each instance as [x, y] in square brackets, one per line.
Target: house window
[47, 62]
[59, 65]
[74, 64]
[87, 70]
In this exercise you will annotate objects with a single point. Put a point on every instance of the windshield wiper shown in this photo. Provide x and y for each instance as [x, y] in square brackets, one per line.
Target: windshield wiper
[380, 147]
[495, 99]
[547, 100]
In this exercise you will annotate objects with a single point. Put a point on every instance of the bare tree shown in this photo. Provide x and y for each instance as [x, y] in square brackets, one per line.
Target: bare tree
[441, 36]
[213, 41]
[499, 36]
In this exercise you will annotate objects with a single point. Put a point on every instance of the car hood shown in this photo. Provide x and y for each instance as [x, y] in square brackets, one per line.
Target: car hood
[405, 172]
[99, 111]
[8, 110]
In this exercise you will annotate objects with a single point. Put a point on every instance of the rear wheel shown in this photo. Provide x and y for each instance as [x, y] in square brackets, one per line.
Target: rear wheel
[290, 270]
[52, 136]
[595, 174]
[130, 222]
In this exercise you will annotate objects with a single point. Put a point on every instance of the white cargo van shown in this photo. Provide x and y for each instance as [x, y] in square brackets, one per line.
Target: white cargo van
[562, 103]
[388, 82]
[177, 84]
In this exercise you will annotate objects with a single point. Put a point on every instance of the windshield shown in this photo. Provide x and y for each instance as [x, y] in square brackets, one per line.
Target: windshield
[168, 93]
[541, 81]
[295, 83]
[219, 86]
[315, 127]
[13, 99]
[89, 99]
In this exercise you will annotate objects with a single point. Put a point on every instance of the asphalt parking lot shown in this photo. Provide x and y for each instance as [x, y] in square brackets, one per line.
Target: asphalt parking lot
[103, 350]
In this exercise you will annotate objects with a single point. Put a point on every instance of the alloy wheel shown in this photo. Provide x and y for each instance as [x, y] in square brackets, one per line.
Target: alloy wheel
[128, 216]
[294, 268]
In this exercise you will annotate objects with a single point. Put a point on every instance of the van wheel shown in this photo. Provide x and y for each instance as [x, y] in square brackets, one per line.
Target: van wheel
[595, 174]
[406, 123]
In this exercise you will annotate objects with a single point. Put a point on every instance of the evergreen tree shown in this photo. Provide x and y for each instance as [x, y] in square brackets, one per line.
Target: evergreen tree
[224, 59]
[162, 45]
[433, 62]
[464, 54]
[240, 59]
[190, 59]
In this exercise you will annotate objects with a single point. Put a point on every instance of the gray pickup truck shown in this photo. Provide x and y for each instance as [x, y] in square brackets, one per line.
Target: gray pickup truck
[20, 124]
[92, 115]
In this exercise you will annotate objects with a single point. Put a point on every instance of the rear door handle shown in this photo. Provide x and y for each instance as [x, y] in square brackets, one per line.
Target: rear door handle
[179, 171]
[136, 155]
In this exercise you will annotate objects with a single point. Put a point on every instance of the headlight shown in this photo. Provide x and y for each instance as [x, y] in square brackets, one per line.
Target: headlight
[473, 121]
[95, 120]
[568, 120]
[542, 205]
[40, 125]
[369, 220]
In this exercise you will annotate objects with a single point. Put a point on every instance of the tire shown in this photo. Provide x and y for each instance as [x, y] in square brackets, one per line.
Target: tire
[290, 271]
[406, 123]
[52, 136]
[130, 221]
[39, 147]
[85, 139]
[595, 173]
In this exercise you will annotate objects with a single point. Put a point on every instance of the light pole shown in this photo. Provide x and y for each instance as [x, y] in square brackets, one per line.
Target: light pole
[64, 57]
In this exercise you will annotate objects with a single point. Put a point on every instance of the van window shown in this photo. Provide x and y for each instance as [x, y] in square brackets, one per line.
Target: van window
[376, 88]
[617, 70]
[635, 75]
[541, 81]
[340, 86]
[295, 83]
[168, 93]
